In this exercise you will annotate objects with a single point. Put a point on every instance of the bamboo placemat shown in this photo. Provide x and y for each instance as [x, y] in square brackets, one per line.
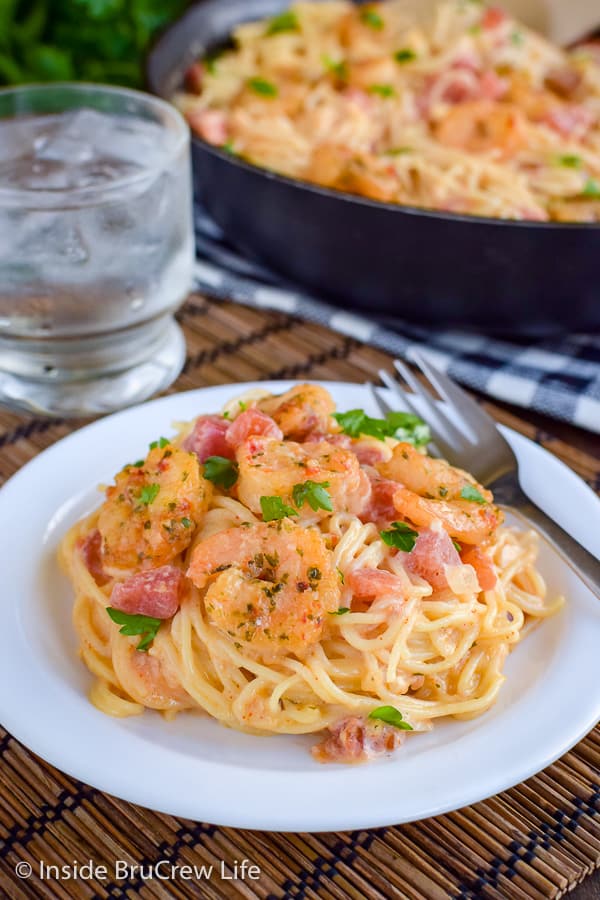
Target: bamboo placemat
[538, 840]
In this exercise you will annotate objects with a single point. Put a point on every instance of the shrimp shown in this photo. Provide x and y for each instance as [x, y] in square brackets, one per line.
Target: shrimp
[270, 585]
[150, 513]
[432, 489]
[269, 467]
[149, 677]
[301, 410]
[482, 126]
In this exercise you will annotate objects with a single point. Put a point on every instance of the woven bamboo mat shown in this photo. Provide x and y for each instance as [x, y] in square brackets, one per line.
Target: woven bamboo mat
[537, 840]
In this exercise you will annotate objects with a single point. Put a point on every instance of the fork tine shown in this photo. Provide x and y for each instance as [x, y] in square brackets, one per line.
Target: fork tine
[383, 406]
[453, 436]
[442, 447]
[471, 413]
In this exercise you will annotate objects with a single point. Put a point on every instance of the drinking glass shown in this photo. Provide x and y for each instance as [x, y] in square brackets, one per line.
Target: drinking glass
[96, 247]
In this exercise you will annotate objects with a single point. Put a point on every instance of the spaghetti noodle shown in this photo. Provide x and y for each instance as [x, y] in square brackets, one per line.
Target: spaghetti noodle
[464, 111]
[263, 567]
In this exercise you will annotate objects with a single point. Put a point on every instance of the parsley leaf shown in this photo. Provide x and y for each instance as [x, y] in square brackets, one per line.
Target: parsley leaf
[148, 494]
[187, 523]
[457, 546]
[471, 493]
[400, 425]
[274, 508]
[161, 442]
[400, 536]
[339, 69]
[221, 471]
[341, 611]
[287, 21]
[316, 495]
[391, 716]
[405, 55]
[384, 90]
[263, 87]
[570, 160]
[134, 624]
[591, 188]
[372, 19]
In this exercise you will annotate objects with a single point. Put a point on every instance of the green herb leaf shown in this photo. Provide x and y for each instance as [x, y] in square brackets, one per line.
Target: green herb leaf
[391, 716]
[372, 19]
[161, 442]
[148, 494]
[315, 494]
[341, 611]
[405, 55]
[398, 151]
[274, 508]
[187, 523]
[517, 38]
[457, 546]
[400, 536]
[221, 471]
[400, 425]
[229, 147]
[570, 160]
[471, 493]
[339, 69]
[134, 624]
[591, 188]
[287, 21]
[384, 90]
[263, 87]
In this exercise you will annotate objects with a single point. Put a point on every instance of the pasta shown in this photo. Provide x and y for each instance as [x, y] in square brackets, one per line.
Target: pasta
[462, 110]
[288, 569]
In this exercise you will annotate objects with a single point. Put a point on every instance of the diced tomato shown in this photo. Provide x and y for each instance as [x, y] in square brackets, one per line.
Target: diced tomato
[194, 78]
[252, 422]
[91, 550]
[156, 593]
[483, 565]
[208, 438]
[433, 551]
[210, 124]
[492, 86]
[373, 583]
[355, 740]
[493, 17]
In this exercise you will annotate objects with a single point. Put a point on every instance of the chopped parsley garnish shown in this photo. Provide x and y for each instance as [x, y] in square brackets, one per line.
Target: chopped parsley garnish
[229, 147]
[591, 188]
[372, 19]
[339, 69]
[405, 55]
[398, 151]
[400, 536]
[341, 611]
[384, 90]
[287, 21]
[391, 716]
[148, 494]
[243, 406]
[263, 87]
[471, 493]
[570, 160]
[187, 523]
[221, 471]
[316, 495]
[210, 61]
[134, 625]
[517, 38]
[457, 546]
[161, 442]
[274, 508]
[400, 425]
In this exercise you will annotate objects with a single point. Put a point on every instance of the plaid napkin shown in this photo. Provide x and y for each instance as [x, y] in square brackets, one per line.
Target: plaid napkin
[559, 377]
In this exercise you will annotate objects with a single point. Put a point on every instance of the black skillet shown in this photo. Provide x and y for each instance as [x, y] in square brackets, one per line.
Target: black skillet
[427, 267]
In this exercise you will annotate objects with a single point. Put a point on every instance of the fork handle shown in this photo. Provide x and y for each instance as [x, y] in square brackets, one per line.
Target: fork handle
[512, 497]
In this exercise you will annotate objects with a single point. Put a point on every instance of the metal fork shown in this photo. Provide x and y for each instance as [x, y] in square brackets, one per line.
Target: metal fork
[467, 436]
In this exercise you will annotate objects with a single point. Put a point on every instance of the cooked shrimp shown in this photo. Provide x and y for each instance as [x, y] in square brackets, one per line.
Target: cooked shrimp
[483, 126]
[271, 585]
[150, 513]
[149, 676]
[432, 489]
[268, 467]
[301, 410]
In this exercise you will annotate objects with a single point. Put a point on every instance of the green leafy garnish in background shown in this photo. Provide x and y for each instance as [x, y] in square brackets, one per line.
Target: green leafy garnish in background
[287, 21]
[262, 87]
[391, 716]
[400, 425]
[83, 40]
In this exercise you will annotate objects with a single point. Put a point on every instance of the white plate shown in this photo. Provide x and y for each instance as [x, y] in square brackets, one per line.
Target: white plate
[195, 768]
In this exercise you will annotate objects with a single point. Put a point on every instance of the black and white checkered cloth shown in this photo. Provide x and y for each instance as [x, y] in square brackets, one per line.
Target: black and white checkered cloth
[559, 377]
